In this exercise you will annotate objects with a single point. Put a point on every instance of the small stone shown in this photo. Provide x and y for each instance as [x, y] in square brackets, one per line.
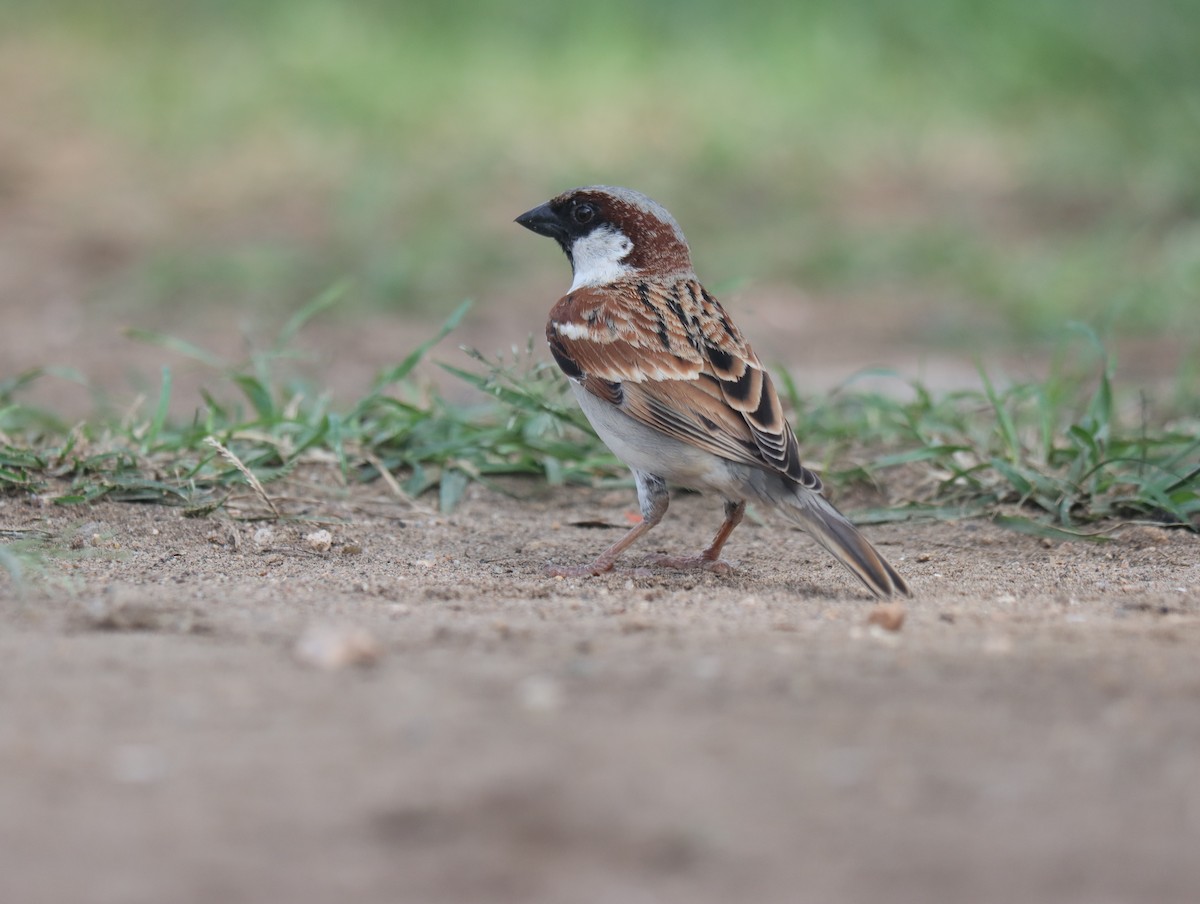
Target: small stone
[889, 616]
[264, 537]
[924, 557]
[319, 541]
[332, 647]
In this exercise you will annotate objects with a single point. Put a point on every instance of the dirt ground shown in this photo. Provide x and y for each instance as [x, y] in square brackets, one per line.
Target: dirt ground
[183, 717]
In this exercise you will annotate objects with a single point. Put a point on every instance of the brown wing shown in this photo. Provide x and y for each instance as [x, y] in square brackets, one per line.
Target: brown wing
[670, 357]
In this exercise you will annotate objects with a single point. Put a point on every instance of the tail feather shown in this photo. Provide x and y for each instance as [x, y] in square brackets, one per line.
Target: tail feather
[831, 529]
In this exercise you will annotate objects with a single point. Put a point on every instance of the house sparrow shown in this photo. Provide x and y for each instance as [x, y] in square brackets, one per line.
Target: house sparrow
[671, 386]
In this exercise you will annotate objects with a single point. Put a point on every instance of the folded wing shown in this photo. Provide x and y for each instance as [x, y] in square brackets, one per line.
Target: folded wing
[670, 357]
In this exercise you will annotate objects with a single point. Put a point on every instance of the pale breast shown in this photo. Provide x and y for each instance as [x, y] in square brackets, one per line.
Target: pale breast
[645, 449]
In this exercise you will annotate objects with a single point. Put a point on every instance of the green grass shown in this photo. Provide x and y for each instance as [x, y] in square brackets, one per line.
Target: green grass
[1050, 457]
[1017, 165]
[1065, 452]
[1038, 161]
[400, 427]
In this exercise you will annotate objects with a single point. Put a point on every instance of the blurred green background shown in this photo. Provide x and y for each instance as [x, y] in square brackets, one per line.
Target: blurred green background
[1014, 164]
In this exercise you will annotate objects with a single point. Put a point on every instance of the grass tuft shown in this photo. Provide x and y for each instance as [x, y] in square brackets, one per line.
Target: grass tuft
[1055, 457]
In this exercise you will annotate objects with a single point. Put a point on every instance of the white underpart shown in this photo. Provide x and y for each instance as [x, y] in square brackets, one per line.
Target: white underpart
[651, 451]
[597, 257]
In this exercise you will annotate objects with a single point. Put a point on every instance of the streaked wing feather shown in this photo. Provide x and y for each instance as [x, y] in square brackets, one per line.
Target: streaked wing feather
[687, 412]
[681, 366]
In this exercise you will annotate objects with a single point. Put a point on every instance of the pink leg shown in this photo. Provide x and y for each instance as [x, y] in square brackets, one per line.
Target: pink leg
[710, 559]
[653, 500]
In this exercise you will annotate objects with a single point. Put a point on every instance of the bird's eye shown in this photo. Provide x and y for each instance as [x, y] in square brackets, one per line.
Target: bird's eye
[583, 214]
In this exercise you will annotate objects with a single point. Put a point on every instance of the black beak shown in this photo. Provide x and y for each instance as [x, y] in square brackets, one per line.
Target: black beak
[543, 221]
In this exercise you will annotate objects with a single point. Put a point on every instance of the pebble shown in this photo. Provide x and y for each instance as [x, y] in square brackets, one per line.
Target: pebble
[889, 616]
[333, 647]
[319, 541]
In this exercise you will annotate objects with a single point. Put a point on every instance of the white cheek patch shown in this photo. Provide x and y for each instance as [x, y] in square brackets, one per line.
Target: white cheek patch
[597, 256]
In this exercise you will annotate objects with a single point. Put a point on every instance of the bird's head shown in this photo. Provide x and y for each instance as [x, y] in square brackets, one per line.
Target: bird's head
[610, 234]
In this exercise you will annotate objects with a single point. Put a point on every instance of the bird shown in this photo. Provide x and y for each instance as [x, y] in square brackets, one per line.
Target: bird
[672, 387]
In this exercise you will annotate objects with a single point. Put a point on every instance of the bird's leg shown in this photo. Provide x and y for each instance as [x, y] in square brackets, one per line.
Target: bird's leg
[710, 559]
[653, 500]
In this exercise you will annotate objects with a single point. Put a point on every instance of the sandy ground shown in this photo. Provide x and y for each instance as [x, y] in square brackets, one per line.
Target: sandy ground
[181, 718]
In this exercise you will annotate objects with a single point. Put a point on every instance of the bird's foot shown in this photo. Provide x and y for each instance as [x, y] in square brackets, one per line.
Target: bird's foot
[691, 563]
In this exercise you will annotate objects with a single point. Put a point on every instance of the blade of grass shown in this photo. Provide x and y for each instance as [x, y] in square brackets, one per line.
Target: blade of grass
[322, 302]
[404, 368]
[160, 412]
[179, 346]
